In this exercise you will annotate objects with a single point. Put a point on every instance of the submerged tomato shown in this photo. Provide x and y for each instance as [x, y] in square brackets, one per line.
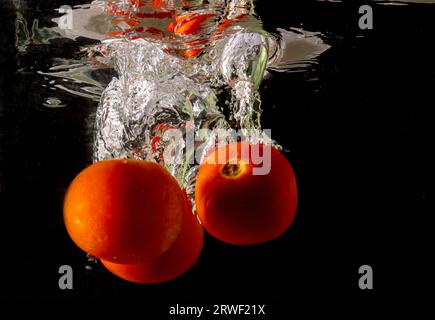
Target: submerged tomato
[124, 211]
[176, 261]
[239, 207]
[191, 23]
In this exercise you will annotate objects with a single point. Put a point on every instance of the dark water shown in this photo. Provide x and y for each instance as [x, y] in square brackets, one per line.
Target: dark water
[359, 132]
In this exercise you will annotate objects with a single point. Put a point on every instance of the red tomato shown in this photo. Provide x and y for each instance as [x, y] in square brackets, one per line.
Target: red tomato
[176, 261]
[124, 211]
[190, 23]
[241, 208]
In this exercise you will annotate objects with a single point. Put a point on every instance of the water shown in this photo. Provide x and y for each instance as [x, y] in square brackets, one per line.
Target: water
[356, 120]
[195, 66]
[159, 66]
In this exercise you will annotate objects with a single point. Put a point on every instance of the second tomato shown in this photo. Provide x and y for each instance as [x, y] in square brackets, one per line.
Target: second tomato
[177, 260]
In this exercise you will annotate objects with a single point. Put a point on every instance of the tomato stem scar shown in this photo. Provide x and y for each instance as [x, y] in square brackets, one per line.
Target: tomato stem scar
[231, 170]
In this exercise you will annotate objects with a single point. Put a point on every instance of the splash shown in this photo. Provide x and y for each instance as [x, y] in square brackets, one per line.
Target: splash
[194, 67]
[164, 66]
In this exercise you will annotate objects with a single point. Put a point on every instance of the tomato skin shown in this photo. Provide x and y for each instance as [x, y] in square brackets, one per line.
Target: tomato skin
[190, 23]
[125, 211]
[176, 261]
[246, 209]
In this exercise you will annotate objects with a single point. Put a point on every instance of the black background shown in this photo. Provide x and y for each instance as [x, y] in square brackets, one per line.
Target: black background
[359, 130]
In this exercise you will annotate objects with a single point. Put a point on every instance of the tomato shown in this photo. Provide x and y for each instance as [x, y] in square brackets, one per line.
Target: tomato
[191, 23]
[124, 211]
[176, 261]
[239, 207]
[159, 4]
